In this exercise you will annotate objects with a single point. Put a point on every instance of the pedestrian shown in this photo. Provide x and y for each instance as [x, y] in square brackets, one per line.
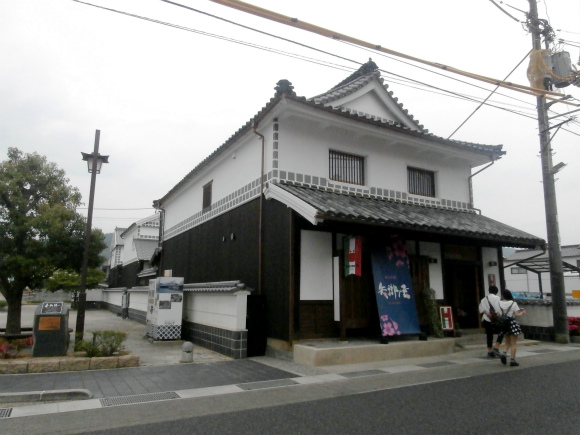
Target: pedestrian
[489, 308]
[511, 309]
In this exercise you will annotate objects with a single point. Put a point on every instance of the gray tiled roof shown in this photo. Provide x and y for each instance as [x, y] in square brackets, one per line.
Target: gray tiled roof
[145, 248]
[218, 287]
[375, 211]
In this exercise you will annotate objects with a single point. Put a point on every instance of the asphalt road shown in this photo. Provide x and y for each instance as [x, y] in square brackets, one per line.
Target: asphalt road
[539, 398]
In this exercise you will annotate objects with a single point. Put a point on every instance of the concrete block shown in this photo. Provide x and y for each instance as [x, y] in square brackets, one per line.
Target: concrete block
[74, 364]
[347, 354]
[43, 365]
[13, 367]
[128, 361]
[104, 362]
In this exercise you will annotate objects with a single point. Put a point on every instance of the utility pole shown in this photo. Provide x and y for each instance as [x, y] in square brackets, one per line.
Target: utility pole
[559, 312]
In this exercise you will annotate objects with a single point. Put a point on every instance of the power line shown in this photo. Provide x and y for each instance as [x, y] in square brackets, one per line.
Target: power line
[316, 61]
[124, 209]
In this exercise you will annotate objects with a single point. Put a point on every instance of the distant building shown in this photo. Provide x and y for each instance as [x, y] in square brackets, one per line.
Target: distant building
[528, 270]
[131, 252]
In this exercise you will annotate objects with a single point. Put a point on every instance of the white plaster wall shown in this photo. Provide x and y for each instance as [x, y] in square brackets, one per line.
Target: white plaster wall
[149, 231]
[138, 297]
[223, 310]
[488, 255]
[316, 266]
[386, 161]
[541, 315]
[237, 167]
[129, 253]
[138, 300]
[113, 297]
[433, 250]
[94, 295]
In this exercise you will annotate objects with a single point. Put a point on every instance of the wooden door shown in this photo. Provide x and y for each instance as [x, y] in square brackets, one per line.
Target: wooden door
[420, 276]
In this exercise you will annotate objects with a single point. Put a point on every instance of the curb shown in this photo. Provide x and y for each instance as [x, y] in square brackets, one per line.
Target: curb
[43, 396]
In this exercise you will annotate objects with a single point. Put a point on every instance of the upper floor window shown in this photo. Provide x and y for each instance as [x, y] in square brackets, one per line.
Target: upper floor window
[421, 182]
[346, 168]
[518, 271]
[206, 206]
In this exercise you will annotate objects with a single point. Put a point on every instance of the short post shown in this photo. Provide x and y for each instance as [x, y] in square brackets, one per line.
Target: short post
[187, 352]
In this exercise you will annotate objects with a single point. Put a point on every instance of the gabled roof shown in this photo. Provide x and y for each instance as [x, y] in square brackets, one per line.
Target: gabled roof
[143, 221]
[285, 92]
[145, 248]
[323, 205]
[361, 78]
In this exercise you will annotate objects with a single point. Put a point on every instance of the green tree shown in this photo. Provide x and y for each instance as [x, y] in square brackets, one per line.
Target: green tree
[40, 230]
[70, 280]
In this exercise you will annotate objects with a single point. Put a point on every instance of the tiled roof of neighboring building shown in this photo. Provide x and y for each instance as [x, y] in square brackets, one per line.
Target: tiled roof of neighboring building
[145, 248]
[567, 252]
[375, 211]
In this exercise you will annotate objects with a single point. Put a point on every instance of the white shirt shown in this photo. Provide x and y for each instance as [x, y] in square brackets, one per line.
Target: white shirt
[505, 306]
[485, 303]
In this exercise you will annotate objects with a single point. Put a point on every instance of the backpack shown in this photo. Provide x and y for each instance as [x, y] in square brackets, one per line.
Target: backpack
[492, 313]
[504, 321]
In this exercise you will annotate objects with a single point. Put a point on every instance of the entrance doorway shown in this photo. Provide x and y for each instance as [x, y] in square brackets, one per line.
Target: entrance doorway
[461, 291]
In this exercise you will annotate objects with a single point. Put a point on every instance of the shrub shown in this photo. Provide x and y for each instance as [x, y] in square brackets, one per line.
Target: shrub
[104, 343]
[11, 348]
[3, 304]
[574, 326]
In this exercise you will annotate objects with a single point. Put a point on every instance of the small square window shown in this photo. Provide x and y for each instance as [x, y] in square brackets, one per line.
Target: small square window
[518, 271]
[206, 206]
[421, 182]
[346, 168]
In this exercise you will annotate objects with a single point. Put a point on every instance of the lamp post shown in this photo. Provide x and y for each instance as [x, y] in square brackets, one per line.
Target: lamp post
[94, 163]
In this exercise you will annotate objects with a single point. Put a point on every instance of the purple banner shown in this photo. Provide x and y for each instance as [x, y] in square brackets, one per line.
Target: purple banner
[394, 289]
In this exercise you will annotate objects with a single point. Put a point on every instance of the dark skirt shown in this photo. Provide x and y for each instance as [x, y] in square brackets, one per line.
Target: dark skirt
[514, 328]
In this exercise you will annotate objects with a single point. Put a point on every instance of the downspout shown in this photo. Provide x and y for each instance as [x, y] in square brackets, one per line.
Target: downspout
[158, 206]
[470, 181]
[261, 216]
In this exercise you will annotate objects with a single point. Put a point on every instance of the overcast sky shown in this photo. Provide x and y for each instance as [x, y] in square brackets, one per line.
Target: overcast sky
[164, 98]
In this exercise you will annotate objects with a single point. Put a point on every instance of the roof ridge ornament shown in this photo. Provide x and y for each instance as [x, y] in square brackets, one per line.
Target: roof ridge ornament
[284, 87]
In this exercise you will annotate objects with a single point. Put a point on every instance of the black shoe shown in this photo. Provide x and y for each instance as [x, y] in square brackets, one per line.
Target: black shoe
[503, 359]
[490, 355]
[496, 352]
[513, 363]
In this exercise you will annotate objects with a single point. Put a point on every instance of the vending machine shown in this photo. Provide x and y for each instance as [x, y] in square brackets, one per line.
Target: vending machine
[165, 308]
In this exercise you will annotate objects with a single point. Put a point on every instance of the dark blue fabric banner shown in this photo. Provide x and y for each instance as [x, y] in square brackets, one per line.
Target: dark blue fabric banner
[394, 289]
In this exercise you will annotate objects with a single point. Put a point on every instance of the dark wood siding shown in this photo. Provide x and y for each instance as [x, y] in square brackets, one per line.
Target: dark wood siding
[277, 268]
[128, 277]
[222, 249]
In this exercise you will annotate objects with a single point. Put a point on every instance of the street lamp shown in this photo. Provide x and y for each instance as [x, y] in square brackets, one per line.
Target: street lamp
[94, 163]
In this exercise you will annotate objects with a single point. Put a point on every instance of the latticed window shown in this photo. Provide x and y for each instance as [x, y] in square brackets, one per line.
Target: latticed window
[207, 197]
[421, 182]
[346, 168]
[518, 271]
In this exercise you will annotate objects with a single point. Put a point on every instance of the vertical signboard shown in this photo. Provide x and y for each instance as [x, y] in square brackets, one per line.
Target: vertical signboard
[446, 318]
[164, 308]
[394, 289]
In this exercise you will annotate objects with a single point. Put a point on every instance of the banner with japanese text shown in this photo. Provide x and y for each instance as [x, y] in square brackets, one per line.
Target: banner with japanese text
[353, 256]
[394, 289]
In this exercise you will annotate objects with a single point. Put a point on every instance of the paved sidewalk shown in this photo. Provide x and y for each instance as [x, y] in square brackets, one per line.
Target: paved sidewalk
[162, 377]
